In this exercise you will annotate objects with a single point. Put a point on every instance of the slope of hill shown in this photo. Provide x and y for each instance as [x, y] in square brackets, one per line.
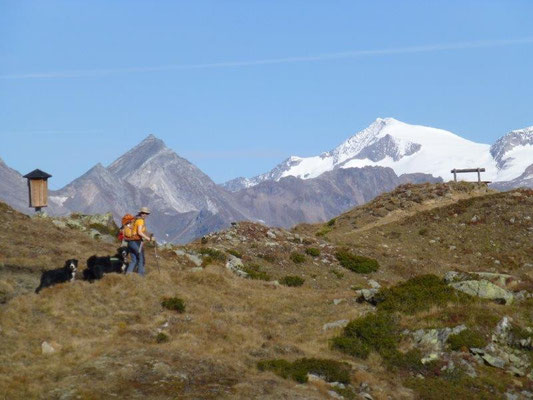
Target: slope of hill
[422, 339]
[431, 228]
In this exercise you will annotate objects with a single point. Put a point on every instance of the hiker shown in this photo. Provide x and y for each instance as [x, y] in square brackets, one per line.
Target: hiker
[136, 238]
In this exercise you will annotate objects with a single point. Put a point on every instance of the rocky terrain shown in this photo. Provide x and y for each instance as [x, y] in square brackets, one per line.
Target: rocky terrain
[423, 293]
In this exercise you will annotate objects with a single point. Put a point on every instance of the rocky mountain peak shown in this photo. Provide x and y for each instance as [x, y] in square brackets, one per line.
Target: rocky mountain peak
[137, 156]
[511, 141]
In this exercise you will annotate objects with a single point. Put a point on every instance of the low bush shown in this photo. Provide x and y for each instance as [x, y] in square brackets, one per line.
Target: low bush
[423, 231]
[104, 229]
[297, 258]
[324, 231]
[268, 257]
[235, 253]
[352, 346]
[215, 254]
[331, 222]
[174, 304]
[418, 294]
[355, 263]
[466, 339]
[458, 385]
[292, 280]
[329, 370]
[312, 251]
[338, 274]
[161, 337]
[377, 332]
[255, 271]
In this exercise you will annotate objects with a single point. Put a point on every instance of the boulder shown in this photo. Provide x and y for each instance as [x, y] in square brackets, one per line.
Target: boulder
[235, 265]
[47, 348]
[368, 295]
[484, 289]
[337, 324]
[493, 361]
[195, 259]
[434, 339]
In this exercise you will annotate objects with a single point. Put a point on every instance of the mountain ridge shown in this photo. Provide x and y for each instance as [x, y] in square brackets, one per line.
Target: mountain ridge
[406, 148]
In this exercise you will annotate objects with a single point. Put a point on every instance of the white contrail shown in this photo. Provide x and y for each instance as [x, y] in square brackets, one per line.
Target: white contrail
[286, 60]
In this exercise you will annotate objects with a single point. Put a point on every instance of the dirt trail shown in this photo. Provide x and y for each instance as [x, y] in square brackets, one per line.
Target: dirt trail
[399, 214]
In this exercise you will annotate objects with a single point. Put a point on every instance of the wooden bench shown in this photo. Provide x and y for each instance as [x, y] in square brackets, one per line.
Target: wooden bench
[456, 171]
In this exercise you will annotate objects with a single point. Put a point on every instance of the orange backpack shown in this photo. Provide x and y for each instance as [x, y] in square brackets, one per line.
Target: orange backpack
[126, 231]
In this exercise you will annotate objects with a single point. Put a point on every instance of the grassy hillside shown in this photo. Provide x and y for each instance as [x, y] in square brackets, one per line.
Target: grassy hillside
[264, 307]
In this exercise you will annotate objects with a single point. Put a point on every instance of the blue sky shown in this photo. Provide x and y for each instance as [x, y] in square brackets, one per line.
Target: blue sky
[236, 86]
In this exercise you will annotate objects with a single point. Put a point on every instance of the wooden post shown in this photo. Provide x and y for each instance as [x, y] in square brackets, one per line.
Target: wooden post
[478, 176]
[38, 189]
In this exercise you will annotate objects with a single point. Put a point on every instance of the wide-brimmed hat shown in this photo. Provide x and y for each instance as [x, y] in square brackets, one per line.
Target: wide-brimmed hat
[144, 210]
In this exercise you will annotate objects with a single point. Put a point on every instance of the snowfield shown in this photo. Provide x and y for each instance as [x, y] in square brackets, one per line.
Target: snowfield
[407, 148]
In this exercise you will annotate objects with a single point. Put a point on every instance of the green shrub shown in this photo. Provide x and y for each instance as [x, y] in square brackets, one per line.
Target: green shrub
[331, 222]
[409, 362]
[338, 274]
[377, 332]
[467, 338]
[417, 294]
[352, 346]
[213, 253]
[329, 370]
[104, 229]
[324, 231]
[423, 232]
[458, 385]
[235, 253]
[255, 271]
[297, 258]
[292, 280]
[312, 251]
[161, 338]
[174, 304]
[359, 264]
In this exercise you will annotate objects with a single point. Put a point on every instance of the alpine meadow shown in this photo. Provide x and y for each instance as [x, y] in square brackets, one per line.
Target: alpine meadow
[266, 200]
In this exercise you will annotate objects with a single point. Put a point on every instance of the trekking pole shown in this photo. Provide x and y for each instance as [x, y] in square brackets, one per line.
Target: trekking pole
[156, 255]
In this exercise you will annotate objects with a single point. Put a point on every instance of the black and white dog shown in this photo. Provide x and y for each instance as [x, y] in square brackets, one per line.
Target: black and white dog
[98, 266]
[59, 275]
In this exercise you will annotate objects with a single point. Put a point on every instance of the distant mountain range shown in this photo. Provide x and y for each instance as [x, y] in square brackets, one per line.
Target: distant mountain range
[187, 204]
[407, 148]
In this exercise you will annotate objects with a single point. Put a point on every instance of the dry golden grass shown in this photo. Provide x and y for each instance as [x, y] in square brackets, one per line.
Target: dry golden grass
[106, 332]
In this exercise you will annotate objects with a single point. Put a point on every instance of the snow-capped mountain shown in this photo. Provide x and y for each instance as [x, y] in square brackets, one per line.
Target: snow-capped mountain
[407, 148]
[513, 153]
